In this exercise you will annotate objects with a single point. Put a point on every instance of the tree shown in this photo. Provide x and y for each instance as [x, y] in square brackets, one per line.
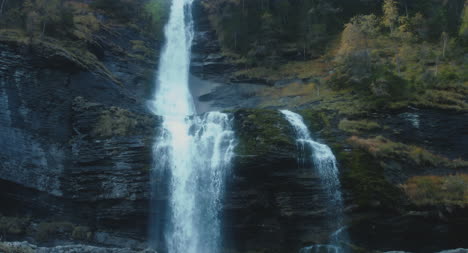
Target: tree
[463, 32]
[418, 25]
[155, 13]
[390, 18]
[357, 33]
[268, 40]
[444, 38]
[283, 8]
[31, 18]
[49, 11]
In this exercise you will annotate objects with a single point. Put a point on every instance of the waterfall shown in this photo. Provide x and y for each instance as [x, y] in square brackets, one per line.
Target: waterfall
[323, 160]
[192, 154]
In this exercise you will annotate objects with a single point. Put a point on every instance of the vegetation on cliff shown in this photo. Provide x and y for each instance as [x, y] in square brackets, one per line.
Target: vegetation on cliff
[391, 53]
[43, 231]
[81, 19]
[349, 60]
[262, 133]
[79, 30]
[438, 190]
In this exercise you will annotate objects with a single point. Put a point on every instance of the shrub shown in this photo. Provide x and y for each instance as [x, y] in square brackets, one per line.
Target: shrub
[47, 230]
[81, 233]
[155, 13]
[85, 26]
[13, 225]
[115, 122]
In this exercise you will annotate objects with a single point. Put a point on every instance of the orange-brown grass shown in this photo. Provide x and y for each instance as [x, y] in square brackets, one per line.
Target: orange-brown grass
[299, 93]
[290, 70]
[436, 190]
[381, 147]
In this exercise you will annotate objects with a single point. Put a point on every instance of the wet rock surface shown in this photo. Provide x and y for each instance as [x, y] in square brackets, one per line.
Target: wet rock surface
[75, 146]
[78, 147]
[27, 247]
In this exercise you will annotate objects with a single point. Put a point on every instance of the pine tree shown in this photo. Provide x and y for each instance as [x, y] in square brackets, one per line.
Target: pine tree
[49, 11]
[390, 18]
[463, 32]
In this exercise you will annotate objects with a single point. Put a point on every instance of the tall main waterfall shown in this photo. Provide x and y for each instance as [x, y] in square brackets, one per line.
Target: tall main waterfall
[193, 153]
[325, 163]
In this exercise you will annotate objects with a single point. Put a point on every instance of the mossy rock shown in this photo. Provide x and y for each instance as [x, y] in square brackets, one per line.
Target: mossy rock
[116, 121]
[318, 120]
[81, 233]
[358, 126]
[366, 181]
[13, 225]
[48, 230]
[261, 132]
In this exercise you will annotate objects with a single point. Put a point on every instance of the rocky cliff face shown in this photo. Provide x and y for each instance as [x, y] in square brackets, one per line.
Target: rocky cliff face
[77, 147]
[87, 159]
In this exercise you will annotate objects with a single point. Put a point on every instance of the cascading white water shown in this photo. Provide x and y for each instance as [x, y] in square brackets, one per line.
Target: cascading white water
[193, 153]
[172, 97]
[321, 249]
[325, 163]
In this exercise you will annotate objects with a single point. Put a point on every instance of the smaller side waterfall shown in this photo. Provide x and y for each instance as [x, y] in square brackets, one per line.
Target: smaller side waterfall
[321, 157]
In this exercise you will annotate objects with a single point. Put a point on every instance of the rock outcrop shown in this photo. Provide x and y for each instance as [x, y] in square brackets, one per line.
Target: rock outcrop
[29, 248]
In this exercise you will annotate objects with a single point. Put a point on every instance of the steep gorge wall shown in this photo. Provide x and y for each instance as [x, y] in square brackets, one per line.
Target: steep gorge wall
[77, 147]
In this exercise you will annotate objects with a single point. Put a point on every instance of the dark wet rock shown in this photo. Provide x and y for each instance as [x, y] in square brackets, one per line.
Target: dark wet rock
[207, 60]
[440, 131]
[271, 202]
[75, 146]
[417, 233]
[79, 248]
[247, 79]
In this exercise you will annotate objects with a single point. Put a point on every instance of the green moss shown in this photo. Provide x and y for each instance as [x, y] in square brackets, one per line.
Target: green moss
[119, 122]
[114, 122]
[141, 51]
[367, 183]
[261, 131]
[357, 126]
[79, 55]
[318, 119]
[13, 225]
[74, 51]
[47, 230]
[13, 35]
[81, 233]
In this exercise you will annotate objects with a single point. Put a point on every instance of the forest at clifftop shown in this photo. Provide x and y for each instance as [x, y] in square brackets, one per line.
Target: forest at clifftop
[390, 52]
